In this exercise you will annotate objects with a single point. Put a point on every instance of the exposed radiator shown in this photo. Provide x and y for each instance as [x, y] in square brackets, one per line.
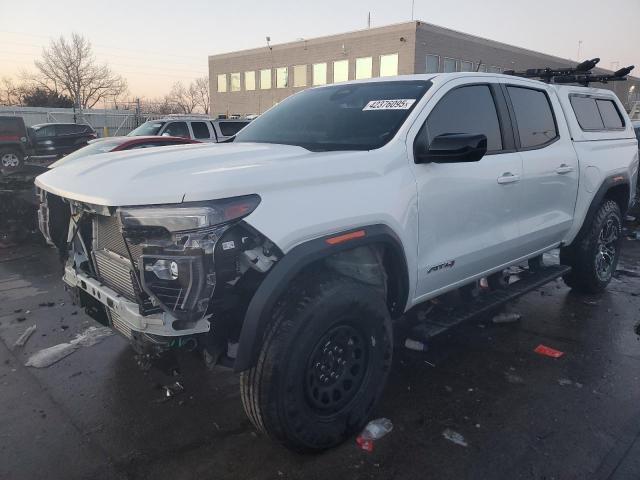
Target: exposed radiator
[118, 325]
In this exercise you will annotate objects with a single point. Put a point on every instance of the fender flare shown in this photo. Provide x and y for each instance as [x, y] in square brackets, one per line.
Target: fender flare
[258, 313]
[608, 183]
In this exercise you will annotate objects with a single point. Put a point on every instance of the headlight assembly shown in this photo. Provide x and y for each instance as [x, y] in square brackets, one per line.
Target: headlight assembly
[176, 267]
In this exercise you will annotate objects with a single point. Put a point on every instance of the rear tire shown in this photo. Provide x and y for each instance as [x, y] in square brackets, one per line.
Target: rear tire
[322, 365]
[593, 257]
[11, 160]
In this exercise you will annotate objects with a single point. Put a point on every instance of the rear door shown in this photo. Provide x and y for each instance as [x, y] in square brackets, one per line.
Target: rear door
[549, 165]
[468, 213]
[202, 131]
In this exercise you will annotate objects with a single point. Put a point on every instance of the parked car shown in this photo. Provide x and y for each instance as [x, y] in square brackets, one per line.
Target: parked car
[116, 144]
[14, 143]
[196, 128]
[59, 139]
[292, 252]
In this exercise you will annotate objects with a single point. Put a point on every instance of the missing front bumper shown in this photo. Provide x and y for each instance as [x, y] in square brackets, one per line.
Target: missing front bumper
[127, 312]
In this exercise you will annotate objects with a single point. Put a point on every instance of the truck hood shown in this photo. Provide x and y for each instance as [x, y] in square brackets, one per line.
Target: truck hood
[189, 173]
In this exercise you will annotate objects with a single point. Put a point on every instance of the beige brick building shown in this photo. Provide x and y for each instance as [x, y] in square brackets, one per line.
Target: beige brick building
[251, 81]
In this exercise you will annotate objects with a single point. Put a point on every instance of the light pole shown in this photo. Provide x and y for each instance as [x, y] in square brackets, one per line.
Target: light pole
[579, 48]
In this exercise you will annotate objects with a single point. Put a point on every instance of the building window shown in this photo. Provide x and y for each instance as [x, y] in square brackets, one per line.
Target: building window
[482, 68]
[450, 65]
[389, 65]
[340, 71]
[466, 66]
[222, 82]
[282, 77]
[319, 73]
[250, 80]
[432, 64]
[300, 76]
[235, 82]
[364, 67]
[265, 79]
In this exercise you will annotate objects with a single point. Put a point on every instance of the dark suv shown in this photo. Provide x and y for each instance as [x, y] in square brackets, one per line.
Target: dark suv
[14, 143]
[60, 138]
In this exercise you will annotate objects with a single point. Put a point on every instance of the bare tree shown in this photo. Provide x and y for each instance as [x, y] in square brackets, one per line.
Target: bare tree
[200, 92]
[10, 93]
[68, 66]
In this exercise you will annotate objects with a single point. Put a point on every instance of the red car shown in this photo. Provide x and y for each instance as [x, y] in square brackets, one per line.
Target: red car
[115, 144]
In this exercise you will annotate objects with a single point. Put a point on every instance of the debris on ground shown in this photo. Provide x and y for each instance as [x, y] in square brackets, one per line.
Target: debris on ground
[21, 319]
[565, 381]
[173, 389]
[455, 437]
[548, 351]
[591, 303]
[513, 378]
[416, 345]
[51, 355]
[374, 430]
[506, 318]
[22, 339]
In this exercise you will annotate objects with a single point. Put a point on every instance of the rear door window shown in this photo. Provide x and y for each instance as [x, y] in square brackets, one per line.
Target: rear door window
[229, 129]
[200, 130]
[609, 113]
[177, 129]
[469, 109]
[534, 116]
[65, 129]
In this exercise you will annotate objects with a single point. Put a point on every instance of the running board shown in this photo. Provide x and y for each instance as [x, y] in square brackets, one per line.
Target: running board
[439, 321]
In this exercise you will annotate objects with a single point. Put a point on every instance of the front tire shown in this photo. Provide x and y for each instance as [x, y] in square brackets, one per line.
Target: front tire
[322, 365]
[593, 258]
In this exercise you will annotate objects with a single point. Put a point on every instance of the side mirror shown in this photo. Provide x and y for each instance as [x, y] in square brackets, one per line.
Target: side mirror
[451, 148]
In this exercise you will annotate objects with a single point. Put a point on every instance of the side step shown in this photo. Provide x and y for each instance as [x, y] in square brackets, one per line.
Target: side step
[439, 321]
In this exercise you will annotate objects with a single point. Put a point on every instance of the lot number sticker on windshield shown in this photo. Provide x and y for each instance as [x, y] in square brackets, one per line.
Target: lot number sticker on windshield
[395, 104]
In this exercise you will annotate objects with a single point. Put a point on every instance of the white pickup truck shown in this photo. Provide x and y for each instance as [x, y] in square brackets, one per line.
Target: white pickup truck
[290, 252]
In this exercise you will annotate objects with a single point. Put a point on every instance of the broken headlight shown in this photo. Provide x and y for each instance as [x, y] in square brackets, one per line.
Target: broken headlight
[177, 243]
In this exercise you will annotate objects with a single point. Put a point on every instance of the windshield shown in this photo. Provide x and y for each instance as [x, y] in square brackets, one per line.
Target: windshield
[362, 116]
[147, 128]
[91, 149]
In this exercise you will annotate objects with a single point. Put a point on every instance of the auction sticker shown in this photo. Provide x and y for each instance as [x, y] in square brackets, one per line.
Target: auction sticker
[394, 104]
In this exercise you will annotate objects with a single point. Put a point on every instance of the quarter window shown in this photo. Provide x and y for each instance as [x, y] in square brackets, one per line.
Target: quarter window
[265, 79]
[200, 130]
[300, 76]
[222, 82]
[229, 129]
[536, 125]
[250, 80]
[389, 65]
[609, 113]
[433, 64]
[282, 77]
[364, 67]
[468, 109]
[319, 73]
[596, 114]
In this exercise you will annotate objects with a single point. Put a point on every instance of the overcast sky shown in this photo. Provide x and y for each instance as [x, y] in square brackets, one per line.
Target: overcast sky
[156, 43]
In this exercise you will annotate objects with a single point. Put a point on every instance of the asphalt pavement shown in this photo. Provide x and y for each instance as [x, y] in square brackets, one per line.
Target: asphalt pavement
[513, 413]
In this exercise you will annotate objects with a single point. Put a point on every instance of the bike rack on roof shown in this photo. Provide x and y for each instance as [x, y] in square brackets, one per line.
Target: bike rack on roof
[580, 74]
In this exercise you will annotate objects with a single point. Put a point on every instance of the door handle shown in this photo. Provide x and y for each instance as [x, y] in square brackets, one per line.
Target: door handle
[564, 168]
[508, 177]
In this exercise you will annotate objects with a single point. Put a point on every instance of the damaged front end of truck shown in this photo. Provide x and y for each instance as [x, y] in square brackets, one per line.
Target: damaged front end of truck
[164, 276]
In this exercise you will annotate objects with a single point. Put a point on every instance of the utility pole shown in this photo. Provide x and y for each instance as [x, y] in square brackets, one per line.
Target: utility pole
[579, 48]
[413, 4]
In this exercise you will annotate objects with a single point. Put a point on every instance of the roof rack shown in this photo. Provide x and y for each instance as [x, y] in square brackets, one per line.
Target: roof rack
[580, 74]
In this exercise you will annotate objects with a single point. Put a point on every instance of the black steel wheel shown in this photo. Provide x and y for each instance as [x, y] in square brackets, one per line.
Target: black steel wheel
[323, 363]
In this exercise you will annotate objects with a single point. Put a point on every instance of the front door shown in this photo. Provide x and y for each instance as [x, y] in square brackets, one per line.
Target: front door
[468, 212]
